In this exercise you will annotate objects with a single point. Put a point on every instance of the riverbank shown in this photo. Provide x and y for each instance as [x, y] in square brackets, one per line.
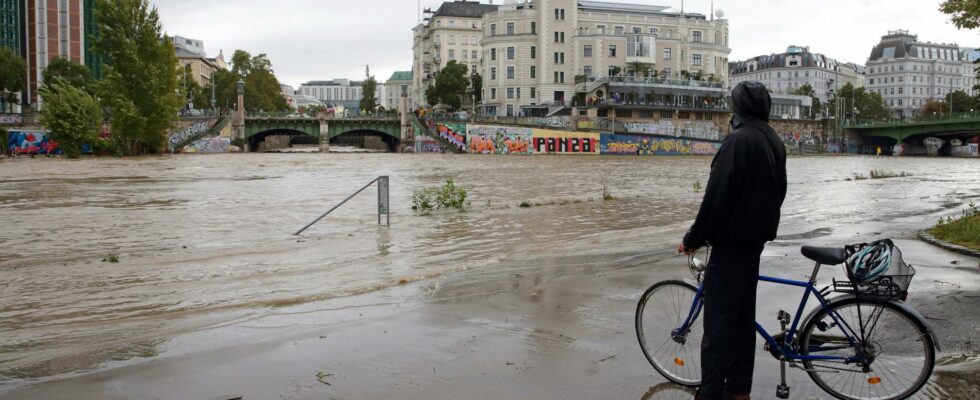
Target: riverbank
[550, 328]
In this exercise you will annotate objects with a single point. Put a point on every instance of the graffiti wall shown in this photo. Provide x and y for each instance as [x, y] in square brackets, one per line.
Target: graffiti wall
[644, 145]
[11, 119]
[554, 122]
[546, 141]
[182, 135]
[700, 130]
[209, 146]
[454, 133]
[490, 139]
[425, 144]
[665, 128]
[31, 143]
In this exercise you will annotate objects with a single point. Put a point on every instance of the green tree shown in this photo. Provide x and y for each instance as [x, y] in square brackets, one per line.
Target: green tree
[369, 99]
[13, 77]
[638, 69]
[859, 104]
[960, 102]
[76, 75]
[964, 13]
[933, 108]
[476, 83]
[192, 91]
[451, 84]
[806, 90]
[141, 76]
[72, 114]
[262, 91]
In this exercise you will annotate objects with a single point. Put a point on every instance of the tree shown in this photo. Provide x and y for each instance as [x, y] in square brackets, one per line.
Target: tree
[369, 98]
[960, 102]
[932, 108]
[13, 76]
[964, 13]
[638, 68]
[72, 114]
[192, 91]
[451, 83]
[858, 104]
[806, 90]
[141, 76]
[76, 75]
[262, 91]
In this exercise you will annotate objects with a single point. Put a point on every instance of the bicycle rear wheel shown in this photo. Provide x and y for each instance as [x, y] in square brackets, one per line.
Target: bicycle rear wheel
[900, 351]
[662, 309]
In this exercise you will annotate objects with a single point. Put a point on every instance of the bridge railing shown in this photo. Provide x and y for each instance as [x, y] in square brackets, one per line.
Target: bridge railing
[299, 115]
[931, 119]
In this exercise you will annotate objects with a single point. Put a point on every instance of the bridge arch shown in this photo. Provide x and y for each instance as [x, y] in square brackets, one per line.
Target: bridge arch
[284, 138]
[366, 139]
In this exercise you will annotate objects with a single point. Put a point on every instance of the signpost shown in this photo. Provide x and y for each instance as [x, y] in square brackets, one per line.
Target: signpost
[383, 200]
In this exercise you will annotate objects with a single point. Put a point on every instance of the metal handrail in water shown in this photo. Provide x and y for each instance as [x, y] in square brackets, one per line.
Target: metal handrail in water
[382, 203]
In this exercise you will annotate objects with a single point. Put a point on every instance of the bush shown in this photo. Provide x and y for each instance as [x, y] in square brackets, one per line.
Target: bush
[964, 231]
[448, 196]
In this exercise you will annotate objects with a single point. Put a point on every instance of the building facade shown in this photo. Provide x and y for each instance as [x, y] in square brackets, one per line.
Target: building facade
[337, 91]
[786, 72]
[535, 52]
[52, 28]
[451, 32]
[393, 89]
[908, 73]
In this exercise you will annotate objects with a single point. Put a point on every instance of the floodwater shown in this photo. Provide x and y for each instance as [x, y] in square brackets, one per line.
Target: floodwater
[206, 241]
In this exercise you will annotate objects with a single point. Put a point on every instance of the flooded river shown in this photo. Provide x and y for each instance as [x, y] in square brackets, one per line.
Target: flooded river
[206, 241]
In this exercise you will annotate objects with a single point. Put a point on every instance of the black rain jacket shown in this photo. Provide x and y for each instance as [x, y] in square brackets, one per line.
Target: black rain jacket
[748, 178]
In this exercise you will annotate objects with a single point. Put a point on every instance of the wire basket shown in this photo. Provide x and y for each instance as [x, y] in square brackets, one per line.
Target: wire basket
[893, 283]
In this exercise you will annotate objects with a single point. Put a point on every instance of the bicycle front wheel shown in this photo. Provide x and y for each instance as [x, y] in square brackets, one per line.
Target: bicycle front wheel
[898, 352]
[662, 309]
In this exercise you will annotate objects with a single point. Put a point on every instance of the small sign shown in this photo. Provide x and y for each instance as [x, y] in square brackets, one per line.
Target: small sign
[383, 204]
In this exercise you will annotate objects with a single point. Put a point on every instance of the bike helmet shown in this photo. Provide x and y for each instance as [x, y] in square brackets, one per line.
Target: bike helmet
[870, 261]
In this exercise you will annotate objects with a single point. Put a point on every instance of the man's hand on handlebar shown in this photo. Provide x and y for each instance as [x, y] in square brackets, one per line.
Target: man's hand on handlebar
[684, 250]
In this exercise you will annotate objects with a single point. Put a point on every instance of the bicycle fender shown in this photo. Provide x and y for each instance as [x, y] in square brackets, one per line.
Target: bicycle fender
[905, 307]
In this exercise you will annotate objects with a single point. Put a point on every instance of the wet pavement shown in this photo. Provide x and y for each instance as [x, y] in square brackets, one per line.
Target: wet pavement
[210, 276]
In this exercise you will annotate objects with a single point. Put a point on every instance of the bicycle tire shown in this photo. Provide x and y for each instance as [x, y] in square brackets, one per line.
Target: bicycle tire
[898, 369]
[678, 362]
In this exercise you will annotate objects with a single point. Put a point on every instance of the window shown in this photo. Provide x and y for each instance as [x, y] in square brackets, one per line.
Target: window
[601, 29]
[563, 14]
[493, 29]
[696, 60]
[452, 24]
[452, 55]
[612, 50]
[510, 53]
[562, 38]
[556, 37]
[901, 90]
[464, 40]
[510, 72]
[510, 93]
[562, 58]
[696, 36]
[493, 54]
[619, 31]
[473, 40]
[666, 54]
[438, 39]
[510, 110]
[466, 54]
[653, 31]
[534, 27]
[556, 57]
[474, 55]
[451, 39]
[510, 28]
[493, 73]
[556, 76]
[556, 14]
[534, 92]
[534, 71]
[872, 81]
[561, 76]
[534, 52]
[518, 93]
[588, 50]
[637, 29]
[646, 113]
[493, 93]
[587, 70]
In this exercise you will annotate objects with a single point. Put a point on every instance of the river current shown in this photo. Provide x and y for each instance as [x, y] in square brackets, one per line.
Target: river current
[207, 240]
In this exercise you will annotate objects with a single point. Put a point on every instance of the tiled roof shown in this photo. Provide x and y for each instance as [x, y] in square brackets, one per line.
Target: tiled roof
[401, 76]
[464, 9]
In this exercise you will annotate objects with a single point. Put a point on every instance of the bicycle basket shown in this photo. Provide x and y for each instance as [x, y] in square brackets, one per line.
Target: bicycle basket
[890, 280]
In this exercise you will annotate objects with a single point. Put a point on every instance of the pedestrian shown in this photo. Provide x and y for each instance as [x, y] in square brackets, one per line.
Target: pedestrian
[739, 214]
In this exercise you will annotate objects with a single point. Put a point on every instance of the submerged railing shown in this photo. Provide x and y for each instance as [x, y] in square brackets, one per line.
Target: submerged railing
[382, 203]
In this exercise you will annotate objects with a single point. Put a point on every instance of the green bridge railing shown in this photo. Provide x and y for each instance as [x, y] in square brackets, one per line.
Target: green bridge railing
[929, 120]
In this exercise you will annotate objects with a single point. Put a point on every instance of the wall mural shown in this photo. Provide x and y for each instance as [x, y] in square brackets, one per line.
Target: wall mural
[546, 141]
[454, 133]
[31, 143]
[644, 145]
[209, 146]
[181, 135]
[11, 119]
[490, 139]
[554, 122]
[425, 144]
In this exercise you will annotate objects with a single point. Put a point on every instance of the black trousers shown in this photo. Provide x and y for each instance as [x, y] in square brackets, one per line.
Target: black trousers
[728, 347]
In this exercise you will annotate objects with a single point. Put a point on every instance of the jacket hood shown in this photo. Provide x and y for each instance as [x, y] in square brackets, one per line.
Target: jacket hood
[751, 102]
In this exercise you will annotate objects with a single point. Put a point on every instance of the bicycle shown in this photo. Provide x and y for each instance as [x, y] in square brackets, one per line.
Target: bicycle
[865, 343]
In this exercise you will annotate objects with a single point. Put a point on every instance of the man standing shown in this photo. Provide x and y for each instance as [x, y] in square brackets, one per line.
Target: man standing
[739, 214]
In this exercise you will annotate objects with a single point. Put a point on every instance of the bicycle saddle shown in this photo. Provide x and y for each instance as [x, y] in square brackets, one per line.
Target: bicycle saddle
[825, 255]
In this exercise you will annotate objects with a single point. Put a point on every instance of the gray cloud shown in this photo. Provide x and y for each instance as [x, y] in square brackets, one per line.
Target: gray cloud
[323, 39]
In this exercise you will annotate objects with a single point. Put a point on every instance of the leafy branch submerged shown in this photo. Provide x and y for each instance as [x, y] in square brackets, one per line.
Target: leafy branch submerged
[447, 196]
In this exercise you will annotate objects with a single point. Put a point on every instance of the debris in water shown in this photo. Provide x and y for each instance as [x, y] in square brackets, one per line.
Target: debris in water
[321, 375]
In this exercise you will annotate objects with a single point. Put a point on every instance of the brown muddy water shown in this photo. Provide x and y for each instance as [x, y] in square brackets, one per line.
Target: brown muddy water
[206, 241]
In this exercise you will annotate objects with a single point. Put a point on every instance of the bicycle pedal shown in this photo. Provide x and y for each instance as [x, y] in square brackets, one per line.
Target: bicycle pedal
[783, 318]
[782, 391]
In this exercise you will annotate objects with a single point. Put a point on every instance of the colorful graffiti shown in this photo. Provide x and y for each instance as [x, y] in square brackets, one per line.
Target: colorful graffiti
[425, 144]
[182, 135]
[487, 139]
[454, 133]
[700, 130]
[561, 142]
[642, 145]
[592, 124]
[665, 128]
[553, 122]
[211, 145]
[31, 143]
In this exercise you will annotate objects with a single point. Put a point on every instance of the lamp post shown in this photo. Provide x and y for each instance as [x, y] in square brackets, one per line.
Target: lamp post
[214, 99]
[240, 114]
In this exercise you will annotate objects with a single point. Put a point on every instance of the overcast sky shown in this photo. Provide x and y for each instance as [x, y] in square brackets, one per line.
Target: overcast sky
[325, 39]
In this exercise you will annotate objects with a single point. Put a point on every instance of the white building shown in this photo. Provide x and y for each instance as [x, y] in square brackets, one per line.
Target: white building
[289, 93]
[452, 32]
[533, 52]
[393, 89]
[786, 72]
[337, 91]
[908, 73]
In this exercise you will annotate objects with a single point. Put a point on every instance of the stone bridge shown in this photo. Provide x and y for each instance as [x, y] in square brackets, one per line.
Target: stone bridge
[259, 126]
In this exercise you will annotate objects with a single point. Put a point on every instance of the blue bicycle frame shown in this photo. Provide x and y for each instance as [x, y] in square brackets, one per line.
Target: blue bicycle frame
[784, 349]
